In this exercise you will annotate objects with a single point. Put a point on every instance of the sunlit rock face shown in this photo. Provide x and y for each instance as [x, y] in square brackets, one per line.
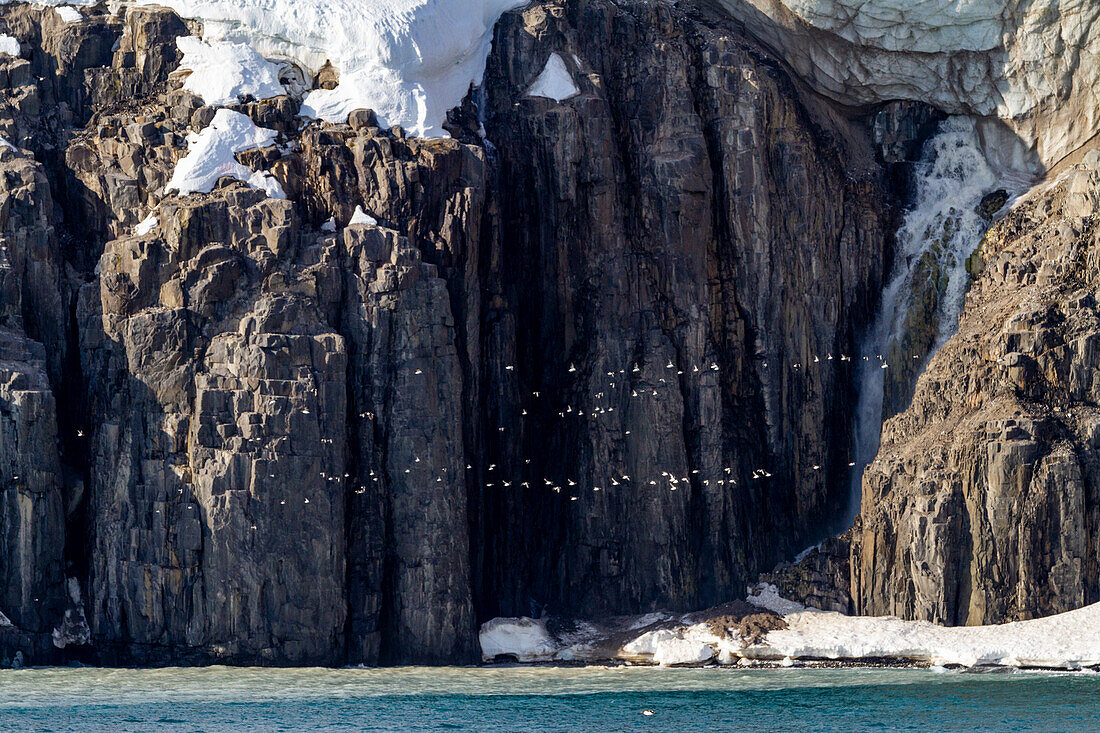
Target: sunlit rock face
[981, 506]
[1031, 64]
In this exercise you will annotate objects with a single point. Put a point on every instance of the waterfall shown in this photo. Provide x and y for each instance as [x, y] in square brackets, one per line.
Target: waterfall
[926, 289]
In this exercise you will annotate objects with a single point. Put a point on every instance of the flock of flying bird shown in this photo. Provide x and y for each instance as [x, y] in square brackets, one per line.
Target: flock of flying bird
[667, 479]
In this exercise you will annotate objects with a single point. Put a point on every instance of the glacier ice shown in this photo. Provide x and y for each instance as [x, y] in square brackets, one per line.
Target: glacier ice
[408, 60]
[1032, 65]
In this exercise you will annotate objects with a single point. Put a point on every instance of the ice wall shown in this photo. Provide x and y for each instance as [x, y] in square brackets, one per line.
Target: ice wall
[1032, 64]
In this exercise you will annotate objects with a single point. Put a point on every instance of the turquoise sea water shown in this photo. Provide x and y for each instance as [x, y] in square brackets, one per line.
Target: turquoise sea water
[220, 700]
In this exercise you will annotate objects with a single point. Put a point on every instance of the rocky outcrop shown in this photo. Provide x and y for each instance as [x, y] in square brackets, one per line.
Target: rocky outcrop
[212, 395]
[981, 507]
[820, 577]
[274, 482]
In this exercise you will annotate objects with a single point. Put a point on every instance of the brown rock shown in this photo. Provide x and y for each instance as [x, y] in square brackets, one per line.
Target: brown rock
[978, 509]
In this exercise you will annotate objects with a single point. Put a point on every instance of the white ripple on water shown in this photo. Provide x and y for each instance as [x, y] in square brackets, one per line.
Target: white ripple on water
[60, 687]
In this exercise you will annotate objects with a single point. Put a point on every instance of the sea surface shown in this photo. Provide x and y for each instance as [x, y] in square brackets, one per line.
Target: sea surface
[221, 699]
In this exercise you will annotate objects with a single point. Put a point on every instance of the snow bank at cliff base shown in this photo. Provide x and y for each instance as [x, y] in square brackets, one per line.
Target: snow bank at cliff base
[1066, 641]
[669, 648]
[523, 638]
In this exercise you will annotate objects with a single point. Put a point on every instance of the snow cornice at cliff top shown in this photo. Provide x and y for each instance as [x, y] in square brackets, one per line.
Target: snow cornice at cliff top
[409, 60]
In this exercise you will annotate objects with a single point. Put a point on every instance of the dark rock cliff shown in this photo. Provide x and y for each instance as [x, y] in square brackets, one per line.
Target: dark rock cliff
[589, 366]
[699, 240]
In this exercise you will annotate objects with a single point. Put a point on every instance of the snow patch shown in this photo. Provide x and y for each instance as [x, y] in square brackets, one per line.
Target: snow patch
[147, 225]
[267, 183]
[767, 596]
[9, 46]
[667, 647]
[647, 619]
[408, 60]
[524, 638]
[806, 553]
[69, 14]
[4, 620]
[329, 226]
[224, 73]
[362, 217]
[555, 82]
[212, 152]
[73, 586]
[55, 3]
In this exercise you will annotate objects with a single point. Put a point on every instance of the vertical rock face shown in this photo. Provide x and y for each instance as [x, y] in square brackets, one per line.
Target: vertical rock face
[284, 433]
[410, 312]
[982, 505]
[218, 452]
[593, 366]
[687, 245]
[412, 501]
[34, 487]
[32, 503]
